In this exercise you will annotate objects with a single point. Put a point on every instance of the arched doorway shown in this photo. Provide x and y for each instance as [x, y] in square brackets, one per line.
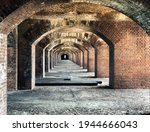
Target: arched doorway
[64, 57]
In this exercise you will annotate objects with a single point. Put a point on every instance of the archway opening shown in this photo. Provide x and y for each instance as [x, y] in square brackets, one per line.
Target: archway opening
[64, 57]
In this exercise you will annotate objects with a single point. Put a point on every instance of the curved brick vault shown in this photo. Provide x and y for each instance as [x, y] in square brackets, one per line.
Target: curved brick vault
[104, 38]
[138, 10]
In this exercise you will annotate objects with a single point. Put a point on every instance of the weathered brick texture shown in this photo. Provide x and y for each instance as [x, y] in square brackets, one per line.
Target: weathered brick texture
[11, 62]
[46, 61]
[80, 58]
[3, 74]
[85, 59]
[102, 60]
[131, 55]
[39, 61]
[24, 60]
[91, 57]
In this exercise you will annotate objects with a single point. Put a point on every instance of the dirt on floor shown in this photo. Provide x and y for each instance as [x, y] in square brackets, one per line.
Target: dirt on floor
[79, 100]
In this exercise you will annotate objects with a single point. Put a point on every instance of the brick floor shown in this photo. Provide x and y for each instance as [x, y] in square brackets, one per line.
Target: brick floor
[62, 100]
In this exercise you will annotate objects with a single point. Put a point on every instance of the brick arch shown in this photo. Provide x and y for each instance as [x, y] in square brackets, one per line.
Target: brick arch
[34, 6]
[78, 49]
[71, 49]
[33, 52]
[64, 52]
[105, 31]
[131, 54]
[46, 34]
[131, 35]
[87, 30]
[50, 47]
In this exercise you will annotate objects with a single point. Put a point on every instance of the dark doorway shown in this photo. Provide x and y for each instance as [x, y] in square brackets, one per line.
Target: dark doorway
[64, 57]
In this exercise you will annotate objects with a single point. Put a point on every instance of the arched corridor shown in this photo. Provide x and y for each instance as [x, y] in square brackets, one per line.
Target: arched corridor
[67, 73]
[99, 46]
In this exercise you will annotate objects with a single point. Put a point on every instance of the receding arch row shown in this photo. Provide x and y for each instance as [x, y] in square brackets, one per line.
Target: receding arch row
[87, 29]
[32, 74]
[51, 46]
[74, 51]
[61, 47]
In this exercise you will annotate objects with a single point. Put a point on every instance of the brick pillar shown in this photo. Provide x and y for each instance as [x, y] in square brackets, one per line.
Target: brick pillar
[80, 58]
[74, 58]
[3, 74]
[91, 59]
[77, 59]
[51, 59]
[146, 76]
[12, 60]
[102, 60]
[70, 57]
[85, 59]
[39, 61]
[46, 61]
[55, 58]
[24, 62]
[33, 66]
[59, 57]
[132, 60]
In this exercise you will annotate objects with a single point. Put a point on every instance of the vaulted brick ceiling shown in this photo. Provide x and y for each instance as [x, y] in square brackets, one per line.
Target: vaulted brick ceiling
[138, 10]
[80, 14]
[8, 6]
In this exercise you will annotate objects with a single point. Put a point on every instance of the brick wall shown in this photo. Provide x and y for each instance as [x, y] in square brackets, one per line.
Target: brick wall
[46, 61]
[3, 74]
[131, 56]
[91, 57]
[39, 61]
[85, 59]
[24, 60]
[102, 60]
[11, 62]
[79, 58]
[139, 12]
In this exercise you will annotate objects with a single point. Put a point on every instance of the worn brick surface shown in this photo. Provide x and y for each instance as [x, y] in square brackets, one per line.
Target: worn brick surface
[3, 75]
[39, 61]
[102, 61]
[138, 10]
[85, 59]
[130, 54]
[11, 61]
[91, 57]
